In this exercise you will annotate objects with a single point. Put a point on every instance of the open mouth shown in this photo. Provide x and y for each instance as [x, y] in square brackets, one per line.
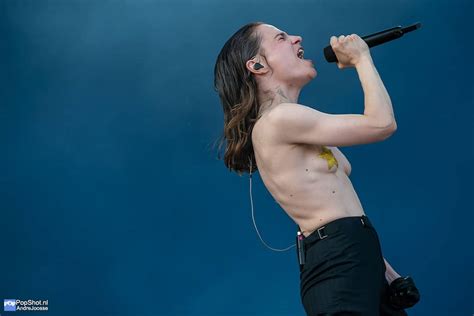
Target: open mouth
[300, 53]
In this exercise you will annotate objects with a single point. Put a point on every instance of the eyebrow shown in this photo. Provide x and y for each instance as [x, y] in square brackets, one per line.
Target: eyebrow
[281, 33]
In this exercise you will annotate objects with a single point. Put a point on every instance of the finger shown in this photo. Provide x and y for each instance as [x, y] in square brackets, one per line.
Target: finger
[341, 38]
[333, 40]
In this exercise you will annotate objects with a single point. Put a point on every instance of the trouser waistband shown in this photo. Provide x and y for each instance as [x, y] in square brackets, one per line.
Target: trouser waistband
[322, 232]
[329, 228]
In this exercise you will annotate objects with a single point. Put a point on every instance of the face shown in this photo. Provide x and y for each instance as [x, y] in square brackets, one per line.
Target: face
[281, 55]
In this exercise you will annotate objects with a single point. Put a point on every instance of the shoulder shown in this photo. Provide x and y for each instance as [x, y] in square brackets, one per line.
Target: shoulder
[285, 107]
[291, 112]
[268, 122]
[285, 112]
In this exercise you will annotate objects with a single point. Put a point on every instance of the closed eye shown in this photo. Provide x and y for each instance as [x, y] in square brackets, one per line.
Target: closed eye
[281, 35]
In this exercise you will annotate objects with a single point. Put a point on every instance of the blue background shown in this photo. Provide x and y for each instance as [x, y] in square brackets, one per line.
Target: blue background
[113, 201]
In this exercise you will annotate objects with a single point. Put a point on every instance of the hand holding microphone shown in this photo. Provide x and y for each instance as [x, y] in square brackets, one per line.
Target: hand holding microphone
[349, 50]
[371, 41]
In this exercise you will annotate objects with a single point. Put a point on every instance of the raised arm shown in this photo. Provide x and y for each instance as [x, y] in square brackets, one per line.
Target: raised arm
[292, 123]
[298, 124]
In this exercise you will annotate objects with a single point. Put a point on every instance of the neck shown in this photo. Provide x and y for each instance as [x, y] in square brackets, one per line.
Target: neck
[272, 97]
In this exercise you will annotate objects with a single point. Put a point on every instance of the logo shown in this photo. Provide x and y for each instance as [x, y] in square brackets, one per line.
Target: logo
[9, 305]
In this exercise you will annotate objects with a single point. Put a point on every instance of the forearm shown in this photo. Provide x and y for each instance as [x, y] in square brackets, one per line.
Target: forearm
[390, 273]
[377, 103]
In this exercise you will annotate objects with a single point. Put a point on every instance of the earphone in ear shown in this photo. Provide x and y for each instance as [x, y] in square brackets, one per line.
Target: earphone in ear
[258, 66]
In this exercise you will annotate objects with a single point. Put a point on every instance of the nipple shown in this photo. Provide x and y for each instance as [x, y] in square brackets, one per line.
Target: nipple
[327, 154]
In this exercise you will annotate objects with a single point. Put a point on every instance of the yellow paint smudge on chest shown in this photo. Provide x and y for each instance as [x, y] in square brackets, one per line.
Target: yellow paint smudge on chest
[328, 155]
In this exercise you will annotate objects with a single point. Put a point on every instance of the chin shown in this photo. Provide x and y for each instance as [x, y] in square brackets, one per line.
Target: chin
[311, 75]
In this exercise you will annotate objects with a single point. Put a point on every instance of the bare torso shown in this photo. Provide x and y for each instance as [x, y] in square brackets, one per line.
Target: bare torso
[312, 190]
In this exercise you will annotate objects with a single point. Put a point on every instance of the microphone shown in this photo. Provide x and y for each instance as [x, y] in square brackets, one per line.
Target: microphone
[376, 39]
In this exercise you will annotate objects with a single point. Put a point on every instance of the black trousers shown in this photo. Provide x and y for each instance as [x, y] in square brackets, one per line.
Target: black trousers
[344, 273]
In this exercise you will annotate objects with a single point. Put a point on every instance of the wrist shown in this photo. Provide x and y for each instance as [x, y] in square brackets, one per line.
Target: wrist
[390, 277]
[364, 61]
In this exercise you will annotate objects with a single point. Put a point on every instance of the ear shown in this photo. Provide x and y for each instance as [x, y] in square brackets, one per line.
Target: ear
[250, 64]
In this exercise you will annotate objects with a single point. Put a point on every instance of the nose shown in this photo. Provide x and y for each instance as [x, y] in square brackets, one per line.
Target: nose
[297, 39]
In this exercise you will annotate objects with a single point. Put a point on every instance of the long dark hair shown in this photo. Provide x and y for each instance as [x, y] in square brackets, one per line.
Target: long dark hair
[237, 90]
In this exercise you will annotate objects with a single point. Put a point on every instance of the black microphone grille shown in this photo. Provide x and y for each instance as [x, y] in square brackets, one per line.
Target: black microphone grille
[412, 27]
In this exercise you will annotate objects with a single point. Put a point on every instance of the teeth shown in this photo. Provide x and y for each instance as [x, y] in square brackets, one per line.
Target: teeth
[300, 53]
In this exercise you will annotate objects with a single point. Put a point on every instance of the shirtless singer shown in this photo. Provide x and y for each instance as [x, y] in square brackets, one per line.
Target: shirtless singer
[259, 74]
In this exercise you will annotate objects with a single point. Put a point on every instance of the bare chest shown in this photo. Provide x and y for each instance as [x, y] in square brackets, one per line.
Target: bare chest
[310, 182]
[277, 160]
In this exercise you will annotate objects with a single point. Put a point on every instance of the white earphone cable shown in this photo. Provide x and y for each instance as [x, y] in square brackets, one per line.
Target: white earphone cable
[253, 219]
